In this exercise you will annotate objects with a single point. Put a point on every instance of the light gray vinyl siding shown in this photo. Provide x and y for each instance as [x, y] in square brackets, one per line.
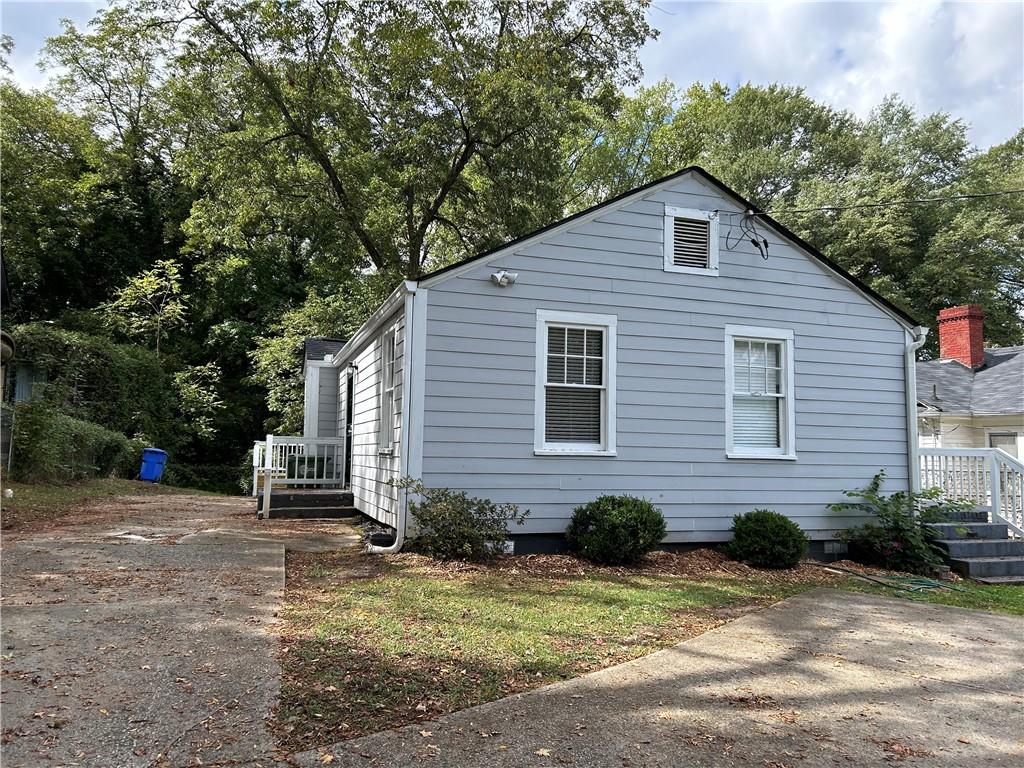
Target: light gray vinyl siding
[478, 421]
[373, 471]
[327, 404]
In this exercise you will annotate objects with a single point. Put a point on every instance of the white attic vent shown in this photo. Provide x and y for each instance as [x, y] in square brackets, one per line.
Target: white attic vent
[691, 241]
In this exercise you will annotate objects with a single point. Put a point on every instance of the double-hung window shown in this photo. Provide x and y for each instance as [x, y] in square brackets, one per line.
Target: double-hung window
[575, 389]
[759, 408]
[386, 423]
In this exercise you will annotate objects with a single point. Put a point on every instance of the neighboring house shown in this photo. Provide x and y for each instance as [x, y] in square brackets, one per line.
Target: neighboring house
[643, 346]
[971, 397]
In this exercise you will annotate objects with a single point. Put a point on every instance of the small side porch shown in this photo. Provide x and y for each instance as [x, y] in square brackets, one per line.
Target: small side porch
[302, 477]
[986, 543]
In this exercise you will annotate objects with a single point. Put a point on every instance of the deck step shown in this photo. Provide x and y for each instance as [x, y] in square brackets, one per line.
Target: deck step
[948, 531]
[285, 499]
[315, 513]
[985, 567]
[967, 548]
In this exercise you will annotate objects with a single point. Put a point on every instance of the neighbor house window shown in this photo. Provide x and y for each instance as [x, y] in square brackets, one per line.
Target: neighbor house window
[759, 409]
[575, 397]
[691, 241]
[386, 424]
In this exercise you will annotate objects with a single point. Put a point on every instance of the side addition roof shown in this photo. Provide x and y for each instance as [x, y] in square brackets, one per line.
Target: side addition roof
[948, 386]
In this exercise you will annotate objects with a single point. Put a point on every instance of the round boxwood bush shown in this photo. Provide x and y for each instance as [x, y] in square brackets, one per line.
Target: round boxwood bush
[766, 539]
[615, 529]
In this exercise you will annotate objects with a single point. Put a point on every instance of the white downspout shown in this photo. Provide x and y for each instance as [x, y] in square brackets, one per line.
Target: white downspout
[404, 446]
[919, 335]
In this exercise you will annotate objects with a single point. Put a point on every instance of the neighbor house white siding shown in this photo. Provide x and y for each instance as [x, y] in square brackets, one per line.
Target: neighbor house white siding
[479, 391]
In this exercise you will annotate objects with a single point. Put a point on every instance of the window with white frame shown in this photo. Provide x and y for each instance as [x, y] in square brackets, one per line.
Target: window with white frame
[386, 423]
[760, 416]
[691, 241]
[575, 397]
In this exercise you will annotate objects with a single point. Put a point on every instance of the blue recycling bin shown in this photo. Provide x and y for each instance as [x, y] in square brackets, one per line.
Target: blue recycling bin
[153, 461]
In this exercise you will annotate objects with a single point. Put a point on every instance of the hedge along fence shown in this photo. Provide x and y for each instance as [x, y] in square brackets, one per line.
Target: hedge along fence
[51, 446]
[117, 386]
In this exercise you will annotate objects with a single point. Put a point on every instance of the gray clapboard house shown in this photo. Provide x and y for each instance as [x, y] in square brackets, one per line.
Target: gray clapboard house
[643, 346]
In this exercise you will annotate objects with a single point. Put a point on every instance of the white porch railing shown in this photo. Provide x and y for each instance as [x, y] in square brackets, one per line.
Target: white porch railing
[988, 477]
[299, 462]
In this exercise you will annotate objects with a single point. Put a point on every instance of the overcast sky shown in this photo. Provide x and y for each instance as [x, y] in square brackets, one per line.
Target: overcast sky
[965, 58]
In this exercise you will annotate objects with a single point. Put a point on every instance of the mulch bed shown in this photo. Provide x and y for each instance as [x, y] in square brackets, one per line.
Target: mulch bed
[694, 564]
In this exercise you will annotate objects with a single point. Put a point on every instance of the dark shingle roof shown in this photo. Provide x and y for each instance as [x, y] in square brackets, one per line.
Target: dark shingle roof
[317, 347]
[997, 387]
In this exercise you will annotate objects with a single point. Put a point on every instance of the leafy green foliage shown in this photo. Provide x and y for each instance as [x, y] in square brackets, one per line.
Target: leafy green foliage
[198, 400]
[451, 525]
[786, 152]
[766, 539]
[51, 446]
[407, 116]
[899, 535]
[117, 386]
[150, 304]
[615, 529]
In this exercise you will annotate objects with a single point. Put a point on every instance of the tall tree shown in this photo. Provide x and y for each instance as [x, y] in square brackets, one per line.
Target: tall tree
[409, 111]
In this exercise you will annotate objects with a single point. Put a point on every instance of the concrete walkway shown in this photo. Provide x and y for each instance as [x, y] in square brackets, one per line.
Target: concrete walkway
[824, 679]
[144, 636]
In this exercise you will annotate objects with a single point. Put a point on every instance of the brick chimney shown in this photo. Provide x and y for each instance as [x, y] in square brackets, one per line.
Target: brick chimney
[961, 335]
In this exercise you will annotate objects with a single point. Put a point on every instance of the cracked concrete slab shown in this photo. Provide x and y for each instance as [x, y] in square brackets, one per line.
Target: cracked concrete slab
[827, 678]
[147, 640]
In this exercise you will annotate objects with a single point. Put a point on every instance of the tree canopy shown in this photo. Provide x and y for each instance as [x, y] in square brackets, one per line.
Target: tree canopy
[218, 179]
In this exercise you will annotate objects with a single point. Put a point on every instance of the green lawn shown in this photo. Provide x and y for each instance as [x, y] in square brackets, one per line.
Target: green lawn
[41, 502]
[983, 597]
[371, 643]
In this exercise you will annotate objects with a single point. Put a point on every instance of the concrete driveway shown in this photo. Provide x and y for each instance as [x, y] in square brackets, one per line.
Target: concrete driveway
[144, 636]
[824, 679]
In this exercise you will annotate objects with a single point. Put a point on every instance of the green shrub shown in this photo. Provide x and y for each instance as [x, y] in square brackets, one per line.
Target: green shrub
[766, 539]
[899, 536]
[615, 529]
[451, 525]
[121, 387]
[217, 478]
[51, 446]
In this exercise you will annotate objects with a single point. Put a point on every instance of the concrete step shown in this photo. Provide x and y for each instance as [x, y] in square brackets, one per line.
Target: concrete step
[286, 499]
[976, 515]
[967, 548]
[947, 531]
[1009, 580]
[985, 567]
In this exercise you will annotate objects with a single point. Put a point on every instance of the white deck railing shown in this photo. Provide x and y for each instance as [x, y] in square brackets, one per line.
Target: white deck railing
[988, 477]
[296, 462]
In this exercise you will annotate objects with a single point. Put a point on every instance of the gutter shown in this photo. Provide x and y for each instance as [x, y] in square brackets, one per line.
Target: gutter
[918, 336]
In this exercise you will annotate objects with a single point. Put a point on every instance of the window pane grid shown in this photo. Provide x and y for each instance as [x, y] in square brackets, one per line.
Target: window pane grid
[575, 386]
[758, 395]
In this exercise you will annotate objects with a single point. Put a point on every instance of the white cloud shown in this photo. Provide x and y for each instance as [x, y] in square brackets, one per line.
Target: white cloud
[963, 58]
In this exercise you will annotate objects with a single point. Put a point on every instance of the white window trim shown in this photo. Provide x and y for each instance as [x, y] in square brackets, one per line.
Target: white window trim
[386, 421]
[671, 213]
[989, 431]
[606, 323]
[788, 420]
